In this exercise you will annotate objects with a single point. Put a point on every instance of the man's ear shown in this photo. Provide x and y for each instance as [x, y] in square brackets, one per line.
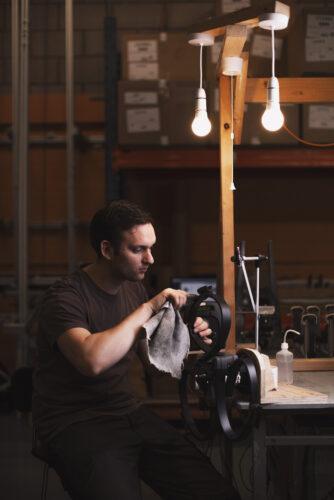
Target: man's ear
[107, 250]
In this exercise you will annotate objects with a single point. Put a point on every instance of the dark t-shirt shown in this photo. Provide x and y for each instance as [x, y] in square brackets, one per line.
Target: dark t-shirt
[62, 395]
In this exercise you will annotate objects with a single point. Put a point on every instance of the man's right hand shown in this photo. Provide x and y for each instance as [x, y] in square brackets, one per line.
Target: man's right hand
[177, 297]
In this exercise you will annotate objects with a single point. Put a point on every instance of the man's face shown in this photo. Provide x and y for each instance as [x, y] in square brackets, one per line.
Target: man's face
[134, 256]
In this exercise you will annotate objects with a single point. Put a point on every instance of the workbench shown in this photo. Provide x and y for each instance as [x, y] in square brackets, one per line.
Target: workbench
[262, 438]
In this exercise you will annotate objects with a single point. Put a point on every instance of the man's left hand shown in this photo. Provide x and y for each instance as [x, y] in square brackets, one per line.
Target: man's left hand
[201, 327]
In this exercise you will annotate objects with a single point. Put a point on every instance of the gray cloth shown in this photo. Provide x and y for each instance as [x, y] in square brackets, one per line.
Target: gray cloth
[168, 340]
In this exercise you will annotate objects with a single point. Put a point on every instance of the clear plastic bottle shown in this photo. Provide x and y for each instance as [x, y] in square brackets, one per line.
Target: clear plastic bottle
[284, 361]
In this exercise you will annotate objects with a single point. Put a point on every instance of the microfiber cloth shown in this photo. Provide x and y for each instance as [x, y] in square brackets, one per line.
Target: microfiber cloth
[168, 340]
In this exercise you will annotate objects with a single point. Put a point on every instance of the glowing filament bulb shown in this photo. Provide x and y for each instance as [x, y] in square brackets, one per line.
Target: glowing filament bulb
[201, 125]
[273, 118]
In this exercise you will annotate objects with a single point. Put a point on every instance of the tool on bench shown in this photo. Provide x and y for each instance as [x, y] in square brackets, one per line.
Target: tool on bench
[329, 309]
[310, 328]
[239, 259]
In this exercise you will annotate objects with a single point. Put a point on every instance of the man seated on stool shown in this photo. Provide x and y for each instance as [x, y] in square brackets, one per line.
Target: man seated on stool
[101, 438]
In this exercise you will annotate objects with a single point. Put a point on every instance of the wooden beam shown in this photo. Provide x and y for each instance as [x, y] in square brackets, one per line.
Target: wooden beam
[226, 278]
[310, 364]
[250, 16]
[239, 99]
[195, 158]
[233, 43]
[296, 90]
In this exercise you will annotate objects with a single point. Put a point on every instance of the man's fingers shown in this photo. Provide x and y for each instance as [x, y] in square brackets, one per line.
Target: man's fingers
[205, 333]
[200, 325]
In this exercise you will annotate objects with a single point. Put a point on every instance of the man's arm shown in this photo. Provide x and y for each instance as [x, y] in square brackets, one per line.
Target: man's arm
[91, 353]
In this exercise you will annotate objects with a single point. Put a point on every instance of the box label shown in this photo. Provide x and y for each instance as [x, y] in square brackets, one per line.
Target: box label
[319, 41]
[319, 26]
[319, 49]
[233, 5]
[261, 46]
[321, 116]
[142, 50]
[143, 71]
[138, 97]
[141, 120]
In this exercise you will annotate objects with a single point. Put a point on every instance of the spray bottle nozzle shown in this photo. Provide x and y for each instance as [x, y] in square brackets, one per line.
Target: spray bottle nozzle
[285, 345]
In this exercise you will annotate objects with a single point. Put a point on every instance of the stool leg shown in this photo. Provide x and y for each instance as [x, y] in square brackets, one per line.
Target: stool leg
[45, 481]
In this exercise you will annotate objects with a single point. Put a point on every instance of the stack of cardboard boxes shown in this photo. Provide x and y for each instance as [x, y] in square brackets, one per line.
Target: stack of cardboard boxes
[160, 78]
[157, 92]
[311, 53]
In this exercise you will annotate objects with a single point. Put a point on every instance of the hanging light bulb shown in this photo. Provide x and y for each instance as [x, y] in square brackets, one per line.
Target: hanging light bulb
[272, 118]
[201, 125]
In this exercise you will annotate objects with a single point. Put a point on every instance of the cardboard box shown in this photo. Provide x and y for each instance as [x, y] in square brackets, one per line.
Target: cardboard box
[253, 132]
[260, 53]
[311, 43]
[318, 123]
[159, 56]
[142, 113]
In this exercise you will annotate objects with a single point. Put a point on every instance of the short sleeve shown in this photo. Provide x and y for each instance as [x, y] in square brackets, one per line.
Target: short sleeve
[61, 309]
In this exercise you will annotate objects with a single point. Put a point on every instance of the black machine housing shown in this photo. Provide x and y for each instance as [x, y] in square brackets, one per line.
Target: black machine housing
[215, 374]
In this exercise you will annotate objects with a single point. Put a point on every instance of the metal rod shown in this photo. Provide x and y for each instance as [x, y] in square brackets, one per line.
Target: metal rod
[247, 283]
[70, 134]
[15, 125]
[23, 163]
[20, 50]
[257, 317]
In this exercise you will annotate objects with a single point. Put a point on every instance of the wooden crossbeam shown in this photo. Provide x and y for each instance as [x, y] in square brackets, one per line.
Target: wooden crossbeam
[250, 16]
[296, 90]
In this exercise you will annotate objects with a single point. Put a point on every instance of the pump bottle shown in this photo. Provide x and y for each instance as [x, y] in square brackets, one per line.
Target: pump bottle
[284, 361]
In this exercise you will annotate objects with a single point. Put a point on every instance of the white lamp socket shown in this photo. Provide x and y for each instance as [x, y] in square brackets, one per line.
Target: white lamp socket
[232, 66]
[273, 21]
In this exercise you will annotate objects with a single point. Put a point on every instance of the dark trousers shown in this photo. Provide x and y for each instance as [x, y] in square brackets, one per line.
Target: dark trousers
[105, 459]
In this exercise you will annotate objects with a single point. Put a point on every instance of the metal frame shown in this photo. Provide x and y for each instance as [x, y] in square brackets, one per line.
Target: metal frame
[20, 86]
[71, 244]
[112, 179]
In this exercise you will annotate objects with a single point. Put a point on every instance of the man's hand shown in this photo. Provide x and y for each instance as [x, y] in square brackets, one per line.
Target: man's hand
[202, 328]
[178, 298]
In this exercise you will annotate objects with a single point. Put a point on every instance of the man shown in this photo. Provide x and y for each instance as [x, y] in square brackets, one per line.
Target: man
[101, 438]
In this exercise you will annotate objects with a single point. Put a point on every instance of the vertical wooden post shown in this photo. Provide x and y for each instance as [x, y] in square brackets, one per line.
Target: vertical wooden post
[226, 277]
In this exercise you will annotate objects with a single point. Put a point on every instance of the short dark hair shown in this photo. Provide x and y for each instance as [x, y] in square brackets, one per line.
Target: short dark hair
[109, 222]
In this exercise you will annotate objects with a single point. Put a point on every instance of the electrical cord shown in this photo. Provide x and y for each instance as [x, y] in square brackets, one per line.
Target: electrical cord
[328, 145]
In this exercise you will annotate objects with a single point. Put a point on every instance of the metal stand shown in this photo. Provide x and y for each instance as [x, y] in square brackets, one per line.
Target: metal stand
[240, 261]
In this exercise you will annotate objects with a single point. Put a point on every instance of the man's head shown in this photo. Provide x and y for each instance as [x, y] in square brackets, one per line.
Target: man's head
[110, 222]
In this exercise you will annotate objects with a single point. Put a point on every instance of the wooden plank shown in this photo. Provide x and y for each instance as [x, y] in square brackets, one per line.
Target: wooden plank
[250, 16]
[159, 158]
[310, 364]
[233, 43]
[295, 90]
[291, 394]
[225, 278]
[239, 100]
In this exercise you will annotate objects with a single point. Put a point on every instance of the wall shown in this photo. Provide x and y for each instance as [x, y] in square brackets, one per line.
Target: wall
[293, 208]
